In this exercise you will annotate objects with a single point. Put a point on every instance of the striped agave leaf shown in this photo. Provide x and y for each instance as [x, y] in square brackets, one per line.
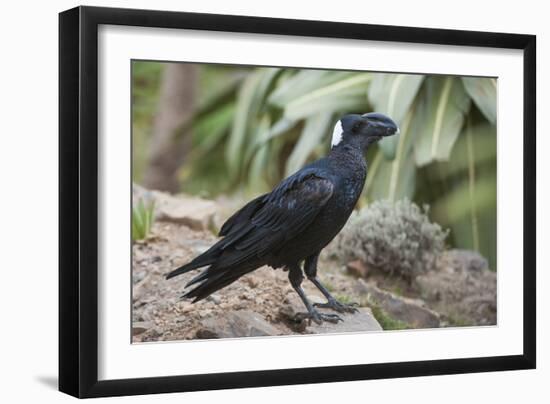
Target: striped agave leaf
[483, 91]
[393, 95]
[315, 129]
[249, 101]
[394, 179]
[442, 107]
[345, 95]
[295, 83]
[468, 207]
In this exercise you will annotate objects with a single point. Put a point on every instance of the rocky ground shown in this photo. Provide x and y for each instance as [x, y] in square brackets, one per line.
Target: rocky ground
[462, 291]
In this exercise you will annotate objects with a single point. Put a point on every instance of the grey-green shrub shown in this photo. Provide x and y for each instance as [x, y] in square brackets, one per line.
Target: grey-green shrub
[396, 237]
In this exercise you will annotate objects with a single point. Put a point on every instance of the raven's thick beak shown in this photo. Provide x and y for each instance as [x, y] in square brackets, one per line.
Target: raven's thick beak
[391, 130]
[386, 124]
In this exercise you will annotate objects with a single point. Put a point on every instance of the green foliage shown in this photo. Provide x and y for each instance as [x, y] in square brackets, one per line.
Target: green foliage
[440, 115]
[395, 237]
[484, 93]
[462, 191]
[283, 118]
[344, 299]
[386, 321]
[146, 78]
[393, 95]
[142, 219]
[394, 179]
[329, 286]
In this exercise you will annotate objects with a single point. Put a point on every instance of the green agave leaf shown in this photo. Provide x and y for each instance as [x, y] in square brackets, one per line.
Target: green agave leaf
[469, 210]
[381, 171]
[443, 104]
[472, 179]
[343, 95]
[266, 134]
[303, 82]
[224, 91]
[483, 149]
[336, 105]
[260, 160]
[483, 91]
[250, 99]
[394, 179]
[456, 205]
[393, 95]
[487, 244]
[208, 131]
[245, 109]
[219, 99]
[315, 129]
[280, 127]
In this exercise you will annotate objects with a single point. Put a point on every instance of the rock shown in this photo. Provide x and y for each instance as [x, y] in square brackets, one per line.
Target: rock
[138, 276]
[199, 246]
[139, 327]
[193, 212]
[241, 323]
[214, 298]
[360, 321]
[410, 311]
[462, 288]
[464, 260]
[358, 268]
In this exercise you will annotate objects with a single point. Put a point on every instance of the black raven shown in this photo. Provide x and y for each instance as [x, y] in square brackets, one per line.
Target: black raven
[296, 220]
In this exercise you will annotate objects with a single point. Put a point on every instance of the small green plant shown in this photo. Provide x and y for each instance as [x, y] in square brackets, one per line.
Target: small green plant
[142, 219]
[346, 299]
[328, 284]
[458, 321]
[386, 321]
[396, 237]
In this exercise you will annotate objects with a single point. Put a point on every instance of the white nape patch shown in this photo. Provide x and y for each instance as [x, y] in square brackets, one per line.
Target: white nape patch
[337, 134]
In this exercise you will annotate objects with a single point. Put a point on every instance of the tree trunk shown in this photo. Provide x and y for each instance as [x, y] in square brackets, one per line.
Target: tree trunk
[176, 105]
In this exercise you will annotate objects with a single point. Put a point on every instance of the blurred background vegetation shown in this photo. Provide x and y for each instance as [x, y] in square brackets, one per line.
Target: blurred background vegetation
[219, 130]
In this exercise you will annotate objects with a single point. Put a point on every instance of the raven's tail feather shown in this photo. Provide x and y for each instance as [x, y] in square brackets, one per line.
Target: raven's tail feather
[200, 261]
[213, 279]
[225, 262]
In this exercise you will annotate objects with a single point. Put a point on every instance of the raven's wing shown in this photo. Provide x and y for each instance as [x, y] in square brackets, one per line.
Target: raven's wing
[242, 217]
[283, 214]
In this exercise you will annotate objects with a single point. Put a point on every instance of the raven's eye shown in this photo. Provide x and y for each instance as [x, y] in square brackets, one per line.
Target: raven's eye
[356, 126]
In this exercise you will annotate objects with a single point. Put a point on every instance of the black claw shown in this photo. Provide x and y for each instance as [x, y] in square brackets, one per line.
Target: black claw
[317, 317]
[339, 307]
[333, 318]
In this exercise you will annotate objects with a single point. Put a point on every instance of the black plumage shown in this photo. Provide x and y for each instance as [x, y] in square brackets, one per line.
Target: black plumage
[295, 221]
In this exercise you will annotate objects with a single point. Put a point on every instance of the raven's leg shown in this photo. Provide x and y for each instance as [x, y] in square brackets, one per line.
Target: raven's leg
[295, 277]
[310, 268]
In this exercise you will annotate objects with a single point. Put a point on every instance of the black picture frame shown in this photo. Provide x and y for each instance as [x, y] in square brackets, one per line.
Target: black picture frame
[78, 200]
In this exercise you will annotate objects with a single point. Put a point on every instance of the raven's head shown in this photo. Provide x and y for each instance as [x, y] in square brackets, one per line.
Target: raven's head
[363, 130]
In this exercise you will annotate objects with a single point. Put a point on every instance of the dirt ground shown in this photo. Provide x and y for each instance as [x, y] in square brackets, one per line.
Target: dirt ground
[457, 293]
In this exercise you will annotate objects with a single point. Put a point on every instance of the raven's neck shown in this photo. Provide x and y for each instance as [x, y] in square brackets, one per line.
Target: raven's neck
[345, 152]
[349, 156]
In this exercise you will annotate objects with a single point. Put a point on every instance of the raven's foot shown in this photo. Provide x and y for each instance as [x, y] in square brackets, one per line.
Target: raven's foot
[317, 317]
[337, 306]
